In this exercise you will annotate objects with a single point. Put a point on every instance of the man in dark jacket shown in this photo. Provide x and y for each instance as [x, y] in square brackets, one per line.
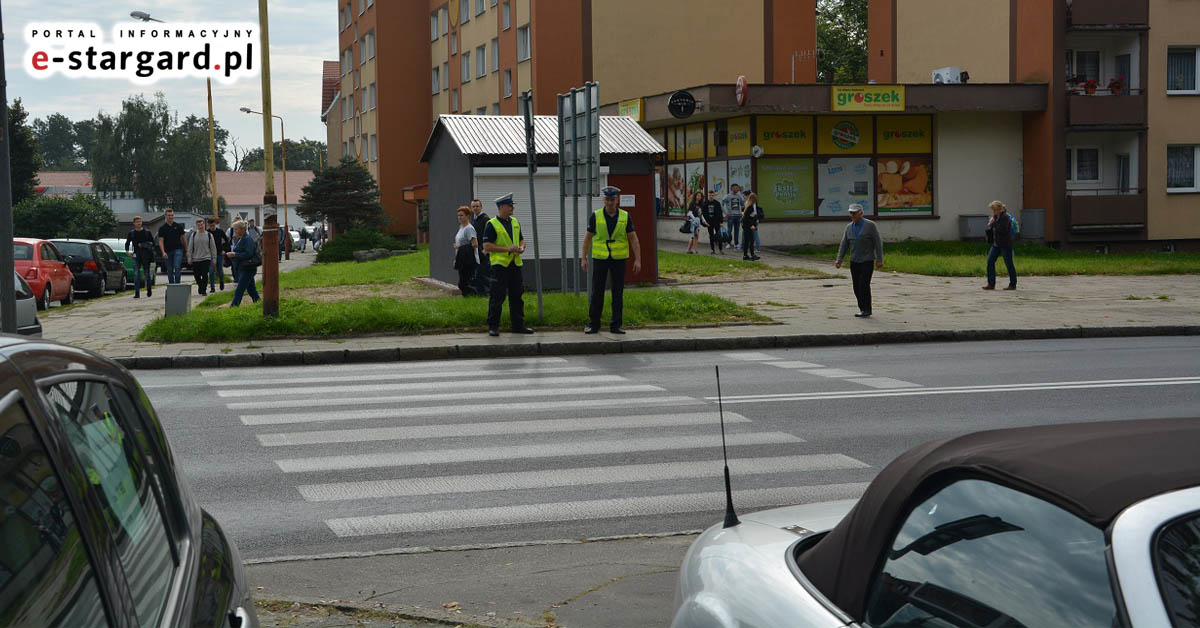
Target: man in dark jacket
[713, 214]
[862, 242]
[143, 257]
[482, 281]
[1000, 235]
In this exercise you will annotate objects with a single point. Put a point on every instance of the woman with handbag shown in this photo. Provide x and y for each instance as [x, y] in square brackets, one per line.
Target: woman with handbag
[466, 251]
[246, 260]
[693, 215]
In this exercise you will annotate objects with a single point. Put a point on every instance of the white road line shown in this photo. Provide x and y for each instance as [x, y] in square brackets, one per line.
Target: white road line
[491, 428]
[525, 452]
[494, 409]
[583, 510]
[455, 382]
[883, 382]
[834, 373]
[796, 364]
[999, 388]
[419, 365]
[750, 355]
[581, 391]
[710, 469]
[381, 377]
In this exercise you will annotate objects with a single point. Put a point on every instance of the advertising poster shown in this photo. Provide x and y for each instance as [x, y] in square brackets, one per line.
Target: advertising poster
[842, 181]
[904, 134]
[695, 141]
[740, 175]
[676, 189]
[695, 179]
[904, 186]
[785, 187]
[718, 178]
[785, 135]
[660, 205]
[845, 135]
[739, 143]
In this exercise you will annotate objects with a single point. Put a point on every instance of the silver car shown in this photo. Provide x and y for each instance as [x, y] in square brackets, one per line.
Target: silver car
[1091, 524]
[27, 319]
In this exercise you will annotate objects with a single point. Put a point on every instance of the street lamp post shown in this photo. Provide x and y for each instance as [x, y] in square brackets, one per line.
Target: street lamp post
[287, 250]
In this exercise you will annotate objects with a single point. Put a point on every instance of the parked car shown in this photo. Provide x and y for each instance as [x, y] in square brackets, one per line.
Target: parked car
[44, 268]
[127, 260]
[27, 320]
[95, 265]
[100, 525]
[1090, 524]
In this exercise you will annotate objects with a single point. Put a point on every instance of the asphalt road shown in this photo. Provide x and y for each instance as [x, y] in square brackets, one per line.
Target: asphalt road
[359, 458]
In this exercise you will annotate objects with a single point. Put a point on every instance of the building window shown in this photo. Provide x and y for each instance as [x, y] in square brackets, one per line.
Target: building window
[520, 106]
[481, 62]
[366, 147]
[480, 7]
[347, 61]
[374, 148]
[464, 11]
[344, 153]
[454, 100]
[495, 54]
[506, 15]
[1084, 64]
[446, 75]
[351, 101]
[371, 44]
[523, 43]
[445, 20]
[362, 6]
[1181, 70]
[493, 3]
[508, 83]
[495, 108]
[1083, 165]
[482, 111]
[364, 101]
[353, 151]
[437, 80]
[373, 95]
[466, 66]
[342, 106]
[453, 43]
[370, 3]
[1181, 169]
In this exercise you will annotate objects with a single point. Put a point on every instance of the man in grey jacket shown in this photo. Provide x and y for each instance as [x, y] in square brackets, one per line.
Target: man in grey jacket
[201, 251]
[866, 254]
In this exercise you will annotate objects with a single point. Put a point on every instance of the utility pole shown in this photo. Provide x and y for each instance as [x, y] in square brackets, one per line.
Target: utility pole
[8, 287]
[270, 236]
[212, 153]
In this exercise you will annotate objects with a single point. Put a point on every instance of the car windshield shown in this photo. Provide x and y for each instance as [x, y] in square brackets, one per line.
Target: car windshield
[75, 249]
[22, 252]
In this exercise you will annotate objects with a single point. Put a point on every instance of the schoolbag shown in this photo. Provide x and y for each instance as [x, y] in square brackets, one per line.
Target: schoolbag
[1013, 227]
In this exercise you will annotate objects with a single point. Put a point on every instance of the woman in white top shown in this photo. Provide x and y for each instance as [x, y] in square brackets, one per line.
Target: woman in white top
[466, 251]
[201, 251]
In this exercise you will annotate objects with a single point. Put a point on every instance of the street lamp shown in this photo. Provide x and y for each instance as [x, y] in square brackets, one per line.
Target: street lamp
[287, 250]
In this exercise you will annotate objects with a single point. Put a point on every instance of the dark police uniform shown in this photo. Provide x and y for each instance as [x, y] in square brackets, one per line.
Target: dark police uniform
[506, 272]
[610, 250]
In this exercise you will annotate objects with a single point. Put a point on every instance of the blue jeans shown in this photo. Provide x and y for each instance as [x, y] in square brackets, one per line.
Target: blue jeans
[245, 285]
[735, 228]
[996, 252]
[757, 241]
[173, 261]
[142, 272]
[216, 271]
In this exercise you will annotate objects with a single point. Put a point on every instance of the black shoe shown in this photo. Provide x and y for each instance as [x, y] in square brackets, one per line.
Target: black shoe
[149, 293]
[522, 330]
[493, 332]
[137, 296]
[755, 258]
[617, 330]
[592, 330]
[863, 315]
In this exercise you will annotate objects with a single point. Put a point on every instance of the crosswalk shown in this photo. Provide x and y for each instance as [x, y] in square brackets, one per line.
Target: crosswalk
[393, 449]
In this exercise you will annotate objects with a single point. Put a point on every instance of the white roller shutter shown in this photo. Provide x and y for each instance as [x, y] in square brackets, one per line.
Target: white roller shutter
[492, 183]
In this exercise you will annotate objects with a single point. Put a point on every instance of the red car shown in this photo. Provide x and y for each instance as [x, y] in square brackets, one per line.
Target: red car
[44, 270]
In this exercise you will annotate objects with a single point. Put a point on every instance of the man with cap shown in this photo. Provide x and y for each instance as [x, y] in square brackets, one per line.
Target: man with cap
[862, 240]
[615, 240]
[504, 244]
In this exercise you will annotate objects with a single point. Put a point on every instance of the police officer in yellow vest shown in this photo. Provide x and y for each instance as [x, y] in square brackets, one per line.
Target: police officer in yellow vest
[504, 243]
[611, 232]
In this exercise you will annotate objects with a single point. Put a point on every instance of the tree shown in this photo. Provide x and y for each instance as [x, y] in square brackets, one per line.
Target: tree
[346, 196]
[842, 41]
[25, 158]
[81, 216]
[56, 137]
[302, 155]
[85, 138]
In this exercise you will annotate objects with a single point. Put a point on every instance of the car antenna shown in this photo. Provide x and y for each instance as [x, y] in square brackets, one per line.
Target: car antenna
[731, 518]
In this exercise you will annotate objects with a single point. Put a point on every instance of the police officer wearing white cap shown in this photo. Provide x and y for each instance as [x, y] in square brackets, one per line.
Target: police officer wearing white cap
[862, 241]
[615, 240]
[503, 242]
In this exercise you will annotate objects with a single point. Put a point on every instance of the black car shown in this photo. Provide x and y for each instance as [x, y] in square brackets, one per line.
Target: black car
[96, 267]
[100, 528]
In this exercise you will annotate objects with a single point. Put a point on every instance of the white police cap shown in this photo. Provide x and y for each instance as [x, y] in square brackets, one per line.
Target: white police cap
[610, 190]
[504, 200]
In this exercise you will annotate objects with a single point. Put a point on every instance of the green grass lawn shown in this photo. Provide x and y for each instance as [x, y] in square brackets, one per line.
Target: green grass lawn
[969, 259]
[704, 266]
[300, 318]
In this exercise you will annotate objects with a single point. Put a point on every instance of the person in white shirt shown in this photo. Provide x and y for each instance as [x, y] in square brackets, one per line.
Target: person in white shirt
[466, 251]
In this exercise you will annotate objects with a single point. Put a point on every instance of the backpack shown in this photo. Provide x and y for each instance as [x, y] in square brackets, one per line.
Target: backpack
[1013, 227]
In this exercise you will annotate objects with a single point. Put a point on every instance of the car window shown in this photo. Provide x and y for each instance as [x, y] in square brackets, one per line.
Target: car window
[1177, 561]
[22, 287]
[97, 429]
[74, 249]
[980, 554]
[46, 578]
[22, 252]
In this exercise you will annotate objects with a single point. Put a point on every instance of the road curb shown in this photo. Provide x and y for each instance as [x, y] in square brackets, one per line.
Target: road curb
[401, 611]
[643, 345]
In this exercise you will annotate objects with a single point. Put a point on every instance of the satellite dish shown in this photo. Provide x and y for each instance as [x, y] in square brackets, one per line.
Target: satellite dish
[757, 151]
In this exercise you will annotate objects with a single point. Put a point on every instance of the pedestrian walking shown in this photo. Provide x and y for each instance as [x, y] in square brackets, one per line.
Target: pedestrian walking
[759, 214]
[201, 251]
[734, 203]
[466, 251]
[861, 240]
[504, 244]
[216, 270]
[143, 257]
[611, 231]
[694, 210]
[253, 231]
[482, 281]
[749, 227]
[170, 244]
[316, 238]
[713, 216]
[1000, 236]
[246, 259]
[303, 238]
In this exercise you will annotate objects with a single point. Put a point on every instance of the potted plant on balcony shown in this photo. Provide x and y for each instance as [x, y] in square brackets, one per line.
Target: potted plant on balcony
[1090, 86]
[1116, 85]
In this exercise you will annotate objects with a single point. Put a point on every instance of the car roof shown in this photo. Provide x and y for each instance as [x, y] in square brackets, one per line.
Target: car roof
[1092, 470]
[28, 240]
[73, 240]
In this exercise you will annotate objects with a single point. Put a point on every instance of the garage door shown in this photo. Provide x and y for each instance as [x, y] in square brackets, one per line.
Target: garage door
[492, 183]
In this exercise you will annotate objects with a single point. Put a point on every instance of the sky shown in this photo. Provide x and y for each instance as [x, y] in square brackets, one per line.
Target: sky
[303, 34]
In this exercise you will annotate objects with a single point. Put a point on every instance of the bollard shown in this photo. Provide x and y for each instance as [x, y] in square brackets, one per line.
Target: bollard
[179, 298]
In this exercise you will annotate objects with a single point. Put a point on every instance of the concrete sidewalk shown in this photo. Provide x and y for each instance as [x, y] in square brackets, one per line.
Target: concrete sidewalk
[807, 312]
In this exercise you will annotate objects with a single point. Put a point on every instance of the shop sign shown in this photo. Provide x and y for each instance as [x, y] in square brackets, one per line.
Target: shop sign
[631, 108]
[694, 142]
[682, 104]
[904, 134]
[873, 98]
[785, 135]
[844, 135]
[739, 136]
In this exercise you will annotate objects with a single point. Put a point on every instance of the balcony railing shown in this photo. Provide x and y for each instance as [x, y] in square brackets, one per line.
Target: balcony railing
[1106, 109]
[1099, 14]
[1106, 212]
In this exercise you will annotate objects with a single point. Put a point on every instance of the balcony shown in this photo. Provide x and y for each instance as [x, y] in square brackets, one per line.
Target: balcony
[1107, 214]
[1104, 110]
[1108, 14]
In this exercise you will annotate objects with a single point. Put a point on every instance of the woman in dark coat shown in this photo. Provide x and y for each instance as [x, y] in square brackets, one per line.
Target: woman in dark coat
[246, 259]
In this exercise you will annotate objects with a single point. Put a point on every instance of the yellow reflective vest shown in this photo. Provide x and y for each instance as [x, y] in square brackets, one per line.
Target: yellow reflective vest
[503, 258]
[607, 245]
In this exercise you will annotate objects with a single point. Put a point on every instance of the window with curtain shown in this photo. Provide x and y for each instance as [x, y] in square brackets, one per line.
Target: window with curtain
[506, 15]
[1087, 164]
[374, 94]
[446, 75]
[1181, 167]
[495, 108]
[495, 54]
[445, 13]
[480, 7]
[464, 11]
[453, 43]
[437, 80]
[481, 62]
[508, 86]
[1181, 69]
[1087, 64]
[454, 100]
[523, 43]
[466, 66]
